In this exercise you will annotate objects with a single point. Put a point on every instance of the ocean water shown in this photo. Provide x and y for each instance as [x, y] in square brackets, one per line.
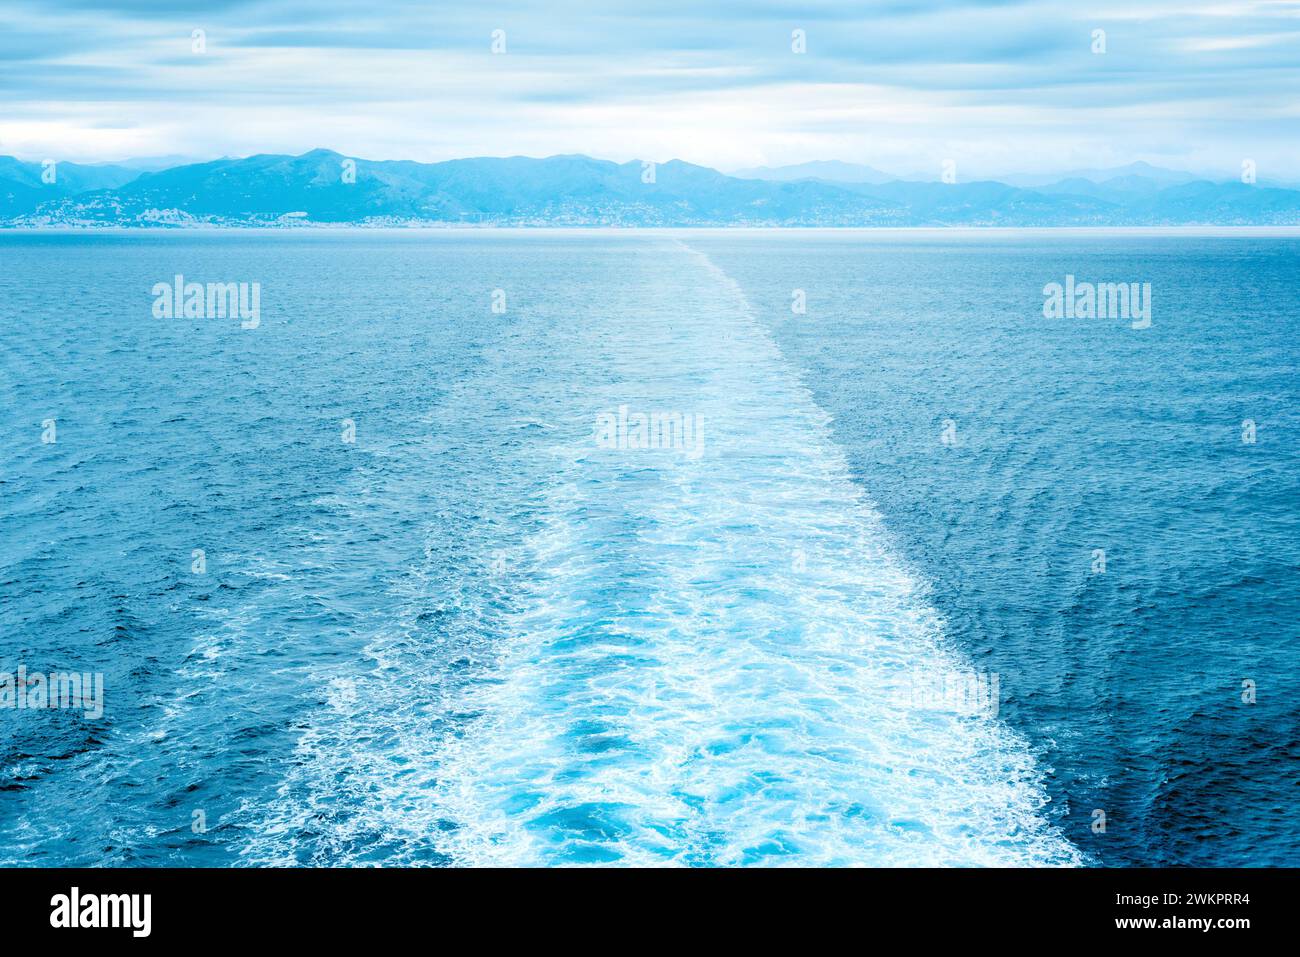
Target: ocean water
[854, 617]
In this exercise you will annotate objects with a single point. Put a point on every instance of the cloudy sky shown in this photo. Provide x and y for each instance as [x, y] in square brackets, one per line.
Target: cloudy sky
[901, 85]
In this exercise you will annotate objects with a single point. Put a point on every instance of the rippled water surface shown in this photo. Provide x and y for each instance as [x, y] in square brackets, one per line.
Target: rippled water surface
[479, 635]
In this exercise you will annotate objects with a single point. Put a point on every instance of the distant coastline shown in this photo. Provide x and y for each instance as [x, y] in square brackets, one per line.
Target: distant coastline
[324, 189]
[1189, 229]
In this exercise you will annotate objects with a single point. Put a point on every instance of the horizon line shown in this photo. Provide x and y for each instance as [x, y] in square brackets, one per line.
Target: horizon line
[175, 161]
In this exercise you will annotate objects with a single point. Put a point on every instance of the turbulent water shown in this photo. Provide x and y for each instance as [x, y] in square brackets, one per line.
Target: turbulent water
[370, 583]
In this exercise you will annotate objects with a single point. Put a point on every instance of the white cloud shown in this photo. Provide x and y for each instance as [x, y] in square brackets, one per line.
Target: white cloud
[989, 86]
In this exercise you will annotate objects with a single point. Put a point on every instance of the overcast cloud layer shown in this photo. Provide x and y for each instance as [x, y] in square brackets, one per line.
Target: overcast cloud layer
[903, 86]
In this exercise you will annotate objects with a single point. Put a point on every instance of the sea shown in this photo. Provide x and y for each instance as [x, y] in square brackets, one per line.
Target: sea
[474, 547]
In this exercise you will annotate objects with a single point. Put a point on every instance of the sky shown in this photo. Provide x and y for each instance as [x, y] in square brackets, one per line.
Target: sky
[993, 87]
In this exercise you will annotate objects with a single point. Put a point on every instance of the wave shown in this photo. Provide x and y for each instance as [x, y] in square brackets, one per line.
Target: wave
[716, 658]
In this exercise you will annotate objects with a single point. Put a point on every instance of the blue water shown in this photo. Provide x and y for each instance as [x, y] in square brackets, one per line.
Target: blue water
[476, 635]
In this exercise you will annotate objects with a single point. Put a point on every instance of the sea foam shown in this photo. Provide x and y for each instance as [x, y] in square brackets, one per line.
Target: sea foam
[711, 656]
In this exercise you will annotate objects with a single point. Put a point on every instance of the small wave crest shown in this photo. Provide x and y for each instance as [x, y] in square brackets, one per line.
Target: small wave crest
[716, 658]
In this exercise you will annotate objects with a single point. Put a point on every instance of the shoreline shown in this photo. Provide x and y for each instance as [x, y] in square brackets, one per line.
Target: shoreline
[1191, 229]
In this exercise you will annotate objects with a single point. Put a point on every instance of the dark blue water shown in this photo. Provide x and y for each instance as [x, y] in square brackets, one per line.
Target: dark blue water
[475, 636]
[1075, 435]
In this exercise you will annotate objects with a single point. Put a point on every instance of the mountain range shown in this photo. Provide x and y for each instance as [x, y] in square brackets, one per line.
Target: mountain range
[322, 187]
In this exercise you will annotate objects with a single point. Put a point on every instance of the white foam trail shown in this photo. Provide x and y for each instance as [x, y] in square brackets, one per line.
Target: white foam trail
[708, 664]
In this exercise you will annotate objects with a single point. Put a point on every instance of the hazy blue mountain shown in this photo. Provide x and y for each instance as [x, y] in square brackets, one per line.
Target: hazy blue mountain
[18, 197]
[1139, 200]
[22, 188]
[152, 164]
[1157, 175]
[559, 190]
[574, 190]
[830, 171]
[986, 204]
[1231, 203]
[68, 177]
[1120, 189]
